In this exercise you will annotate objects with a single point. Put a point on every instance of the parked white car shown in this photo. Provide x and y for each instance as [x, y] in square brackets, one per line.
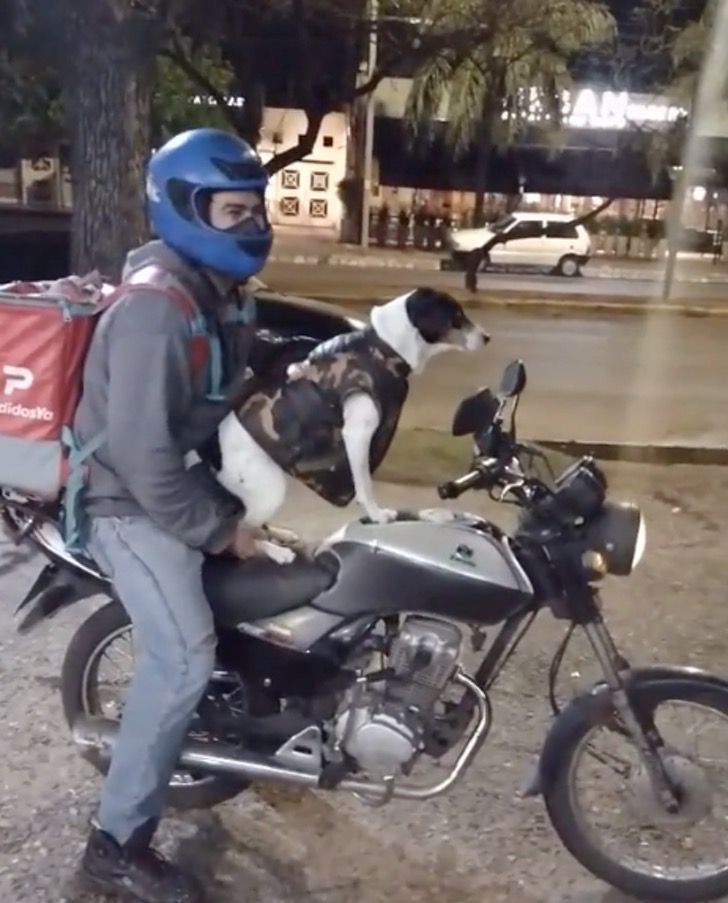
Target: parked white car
[549, 240]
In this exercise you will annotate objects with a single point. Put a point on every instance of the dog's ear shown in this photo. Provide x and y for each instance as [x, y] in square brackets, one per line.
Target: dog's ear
[434, 314]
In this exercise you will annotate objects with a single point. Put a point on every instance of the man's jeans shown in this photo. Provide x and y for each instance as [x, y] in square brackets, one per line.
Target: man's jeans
[159, 582]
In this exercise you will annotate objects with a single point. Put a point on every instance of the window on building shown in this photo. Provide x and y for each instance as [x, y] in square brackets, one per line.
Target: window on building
[319, 181]
[328, 140]
[290, 206]
[290, 178]
[318, 209]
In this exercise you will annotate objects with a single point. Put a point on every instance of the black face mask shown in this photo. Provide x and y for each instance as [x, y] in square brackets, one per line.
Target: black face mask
[250, 227]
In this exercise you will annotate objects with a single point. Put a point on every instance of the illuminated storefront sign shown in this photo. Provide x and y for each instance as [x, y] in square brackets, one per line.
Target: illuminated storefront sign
[590, 109]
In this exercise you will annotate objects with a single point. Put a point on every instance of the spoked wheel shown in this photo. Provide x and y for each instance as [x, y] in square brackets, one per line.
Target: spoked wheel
[95, 677]
[605, 811]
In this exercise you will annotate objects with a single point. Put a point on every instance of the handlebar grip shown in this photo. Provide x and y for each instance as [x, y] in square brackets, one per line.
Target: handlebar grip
[454, 488]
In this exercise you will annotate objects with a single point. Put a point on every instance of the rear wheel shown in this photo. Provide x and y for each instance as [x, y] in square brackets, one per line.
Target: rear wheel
[569, 266]
[602, 805]
[96, 672]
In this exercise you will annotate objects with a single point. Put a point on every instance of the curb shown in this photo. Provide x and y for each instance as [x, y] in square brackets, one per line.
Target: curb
[357, 260]
[440, 264]
[426, 457]
[641, 454]
[590, 304]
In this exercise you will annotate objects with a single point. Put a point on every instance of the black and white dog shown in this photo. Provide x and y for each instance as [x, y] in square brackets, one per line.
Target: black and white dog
[331, 422]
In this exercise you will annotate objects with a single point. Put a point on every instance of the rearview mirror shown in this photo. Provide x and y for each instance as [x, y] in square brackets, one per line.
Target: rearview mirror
[475, 413]
[513, 381]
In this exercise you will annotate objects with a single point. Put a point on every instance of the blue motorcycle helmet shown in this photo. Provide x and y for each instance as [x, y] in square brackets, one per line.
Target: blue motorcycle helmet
[182, 177]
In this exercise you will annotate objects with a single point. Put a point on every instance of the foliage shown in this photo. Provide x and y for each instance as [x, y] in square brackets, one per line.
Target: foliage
[172, 109]
[515, 68]
[31, 109]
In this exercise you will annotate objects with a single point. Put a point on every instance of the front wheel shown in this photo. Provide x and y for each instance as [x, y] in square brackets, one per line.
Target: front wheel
[603, 808]
[96, 672]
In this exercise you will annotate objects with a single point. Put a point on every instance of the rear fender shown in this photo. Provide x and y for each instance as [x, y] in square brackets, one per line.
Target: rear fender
[54, 589]
[595, 707]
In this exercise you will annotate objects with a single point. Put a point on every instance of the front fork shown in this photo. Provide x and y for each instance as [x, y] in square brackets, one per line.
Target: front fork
[645, 736]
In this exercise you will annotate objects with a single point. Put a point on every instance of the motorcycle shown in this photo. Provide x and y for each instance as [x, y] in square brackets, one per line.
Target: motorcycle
[343, 672]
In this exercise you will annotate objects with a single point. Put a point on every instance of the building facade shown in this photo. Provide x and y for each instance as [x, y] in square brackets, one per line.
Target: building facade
[601, 154]
[305, 195]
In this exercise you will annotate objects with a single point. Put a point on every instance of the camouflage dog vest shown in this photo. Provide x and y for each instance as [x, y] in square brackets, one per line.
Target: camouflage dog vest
[299, 424]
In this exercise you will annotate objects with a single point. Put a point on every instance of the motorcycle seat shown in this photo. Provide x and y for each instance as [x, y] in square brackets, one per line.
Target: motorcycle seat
[259, 588]
[238, 591]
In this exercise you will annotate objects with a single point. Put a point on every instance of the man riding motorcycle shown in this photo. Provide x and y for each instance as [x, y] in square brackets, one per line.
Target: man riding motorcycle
[150, 520]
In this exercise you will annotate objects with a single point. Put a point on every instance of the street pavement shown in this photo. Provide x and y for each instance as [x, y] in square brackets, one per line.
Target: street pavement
[594, 376]
[594, 379]
[481, 843]
[695, 275]
[371, 285]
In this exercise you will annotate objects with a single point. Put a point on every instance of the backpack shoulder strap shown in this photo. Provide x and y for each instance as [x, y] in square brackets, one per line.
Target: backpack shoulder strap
[156, 277]
[205, 348]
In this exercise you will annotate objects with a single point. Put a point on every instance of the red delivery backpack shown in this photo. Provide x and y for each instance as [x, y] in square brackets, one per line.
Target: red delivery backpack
[45, 332]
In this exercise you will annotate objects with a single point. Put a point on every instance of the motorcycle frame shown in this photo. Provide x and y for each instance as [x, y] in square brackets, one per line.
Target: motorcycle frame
[582, 609]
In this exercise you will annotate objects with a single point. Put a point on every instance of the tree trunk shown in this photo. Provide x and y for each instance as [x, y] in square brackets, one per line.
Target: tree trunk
[484, 147]
[108, 91]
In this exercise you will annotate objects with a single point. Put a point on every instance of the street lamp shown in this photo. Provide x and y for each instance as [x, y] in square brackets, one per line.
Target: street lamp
[369, 123]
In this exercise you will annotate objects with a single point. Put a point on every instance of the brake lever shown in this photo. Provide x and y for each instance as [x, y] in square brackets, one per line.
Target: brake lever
[508, 488]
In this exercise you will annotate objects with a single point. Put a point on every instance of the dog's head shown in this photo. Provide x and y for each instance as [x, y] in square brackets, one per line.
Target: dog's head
[424, 323]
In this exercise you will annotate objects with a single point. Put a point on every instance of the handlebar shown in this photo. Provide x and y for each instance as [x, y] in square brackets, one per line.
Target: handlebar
[455, 488]
[487, 474]
[478, 476]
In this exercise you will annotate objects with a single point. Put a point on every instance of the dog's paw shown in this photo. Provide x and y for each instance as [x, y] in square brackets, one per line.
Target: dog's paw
[437, 515]
[381, 515]
[279, 554]
[295, 371]
[282, 536]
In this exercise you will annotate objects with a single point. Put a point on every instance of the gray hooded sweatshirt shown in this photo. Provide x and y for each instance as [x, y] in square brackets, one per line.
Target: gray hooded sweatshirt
[140, 390]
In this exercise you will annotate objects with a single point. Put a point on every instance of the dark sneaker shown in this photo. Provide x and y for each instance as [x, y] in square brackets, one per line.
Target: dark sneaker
[135, 872]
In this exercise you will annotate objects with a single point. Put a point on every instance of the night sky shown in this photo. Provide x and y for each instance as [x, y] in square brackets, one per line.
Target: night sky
[628, 69]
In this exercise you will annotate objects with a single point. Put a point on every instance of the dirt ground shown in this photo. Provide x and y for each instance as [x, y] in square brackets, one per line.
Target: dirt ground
[481, 843]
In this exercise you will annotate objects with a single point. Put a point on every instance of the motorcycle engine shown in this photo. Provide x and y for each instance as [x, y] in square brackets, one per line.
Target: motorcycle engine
[383, 727]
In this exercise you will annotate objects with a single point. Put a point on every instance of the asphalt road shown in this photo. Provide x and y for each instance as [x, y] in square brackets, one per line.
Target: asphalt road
[372, 283]
[618, 379]
[593, 376]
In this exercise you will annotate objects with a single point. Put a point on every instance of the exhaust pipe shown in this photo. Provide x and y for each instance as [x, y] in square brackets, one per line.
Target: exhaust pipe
[298, 761]
[98, 735]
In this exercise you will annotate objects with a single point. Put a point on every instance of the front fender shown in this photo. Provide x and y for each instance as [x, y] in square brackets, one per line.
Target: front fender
[595, 707]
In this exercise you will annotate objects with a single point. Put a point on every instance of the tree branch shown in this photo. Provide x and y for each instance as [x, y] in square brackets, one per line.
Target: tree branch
[371, 84]
[592, 213]
[302, 149]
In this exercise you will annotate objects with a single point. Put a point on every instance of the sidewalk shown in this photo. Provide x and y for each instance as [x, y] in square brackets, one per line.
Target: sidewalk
[326, 251]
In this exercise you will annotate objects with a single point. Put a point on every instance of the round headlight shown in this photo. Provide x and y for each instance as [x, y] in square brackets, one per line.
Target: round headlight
[618, 533]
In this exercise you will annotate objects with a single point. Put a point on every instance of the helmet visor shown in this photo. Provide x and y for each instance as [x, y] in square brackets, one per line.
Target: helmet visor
[240, 212]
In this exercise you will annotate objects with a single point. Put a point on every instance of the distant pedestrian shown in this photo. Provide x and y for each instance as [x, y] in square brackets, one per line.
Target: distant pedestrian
[472, 265]
[718, 239]
[403, 224]
[445, 227]
[383, 225]
[420, 227]
[431, 231]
